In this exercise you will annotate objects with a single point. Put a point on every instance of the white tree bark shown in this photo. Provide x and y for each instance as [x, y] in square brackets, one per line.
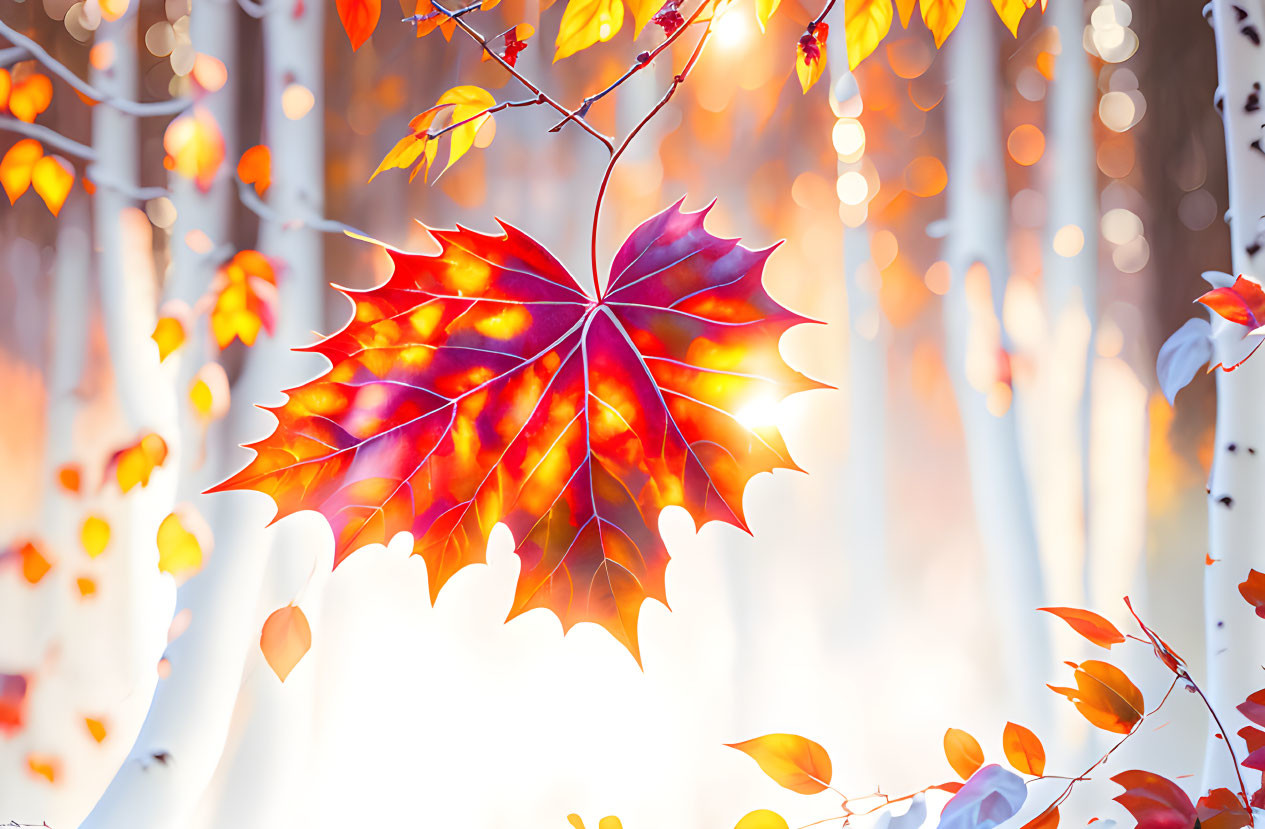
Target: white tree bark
[1235, 637]
[978, 205]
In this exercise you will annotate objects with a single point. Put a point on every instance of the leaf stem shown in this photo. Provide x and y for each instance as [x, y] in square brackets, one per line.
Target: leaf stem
[677, 80]
[811, 26]
[539, 99]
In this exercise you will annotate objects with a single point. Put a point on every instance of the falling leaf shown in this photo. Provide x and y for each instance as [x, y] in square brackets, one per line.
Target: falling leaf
[810, 56]
[1155, 802]
[1105, 697]
[94, 535]
[34, 565]
[866, 23]
[69, 477]
[245, 298]
[941, 17]
[905, 10]
[794, 762]
[179, 548]
[764, 9]
[43, 765]
[52, 177]
[482, 385]
[209, 392]
[30, 97]
[255, 167]
[762, 819]
[132, 465]
[17, 166]
[585, 22]
[1253, 590]
[1011, 12]
[359, 19]
[1222, 809]
[1243, 303]
[195, 147]
[286, 637]
[13, 688]
[168, 335]
[87, 587]
[1023, 750]
[1088, 624]
[963, 752]
[96, 728]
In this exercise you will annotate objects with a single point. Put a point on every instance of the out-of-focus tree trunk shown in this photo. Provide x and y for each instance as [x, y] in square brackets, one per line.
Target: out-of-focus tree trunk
[976, 253]
[1235, 636]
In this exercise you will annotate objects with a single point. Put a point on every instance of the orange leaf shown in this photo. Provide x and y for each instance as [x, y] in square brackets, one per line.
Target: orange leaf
[905, 10]
[1049, 819]
[94, 535]
[1222, 809]
[6, 86]
[168, 335]
[1253, 590]
[1088, 624]
[86, 586]
[1023, 749]
[30, 96]
[69, 477]
[794, 762]
[963, 751]
[195, 147]
[359, 18]
[96, 728]
[16, 167]
[483, 385]
[1105, 697]
[255, 167]
[1011, 12]
[52, 177]
[866, 23]
[941, 17]
[1243, 303]
[245, 291]
[34, 565]
[286, 637]
[43, 765]
[1154, 801]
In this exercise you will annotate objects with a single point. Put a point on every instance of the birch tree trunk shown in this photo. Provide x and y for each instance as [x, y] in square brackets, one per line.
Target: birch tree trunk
[1235, 637]
[978, 205]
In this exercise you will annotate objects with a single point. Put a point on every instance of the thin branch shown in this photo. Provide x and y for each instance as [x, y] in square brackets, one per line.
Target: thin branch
[171, 107]
[250, 199]
[677, 80]
[12, 55]
[48, 136]
[811, 26]
[539, 99]
[482, 41]
[430, 15]
[643, 60]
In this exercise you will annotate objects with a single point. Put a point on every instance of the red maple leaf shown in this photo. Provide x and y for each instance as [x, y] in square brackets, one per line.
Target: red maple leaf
[483, 385]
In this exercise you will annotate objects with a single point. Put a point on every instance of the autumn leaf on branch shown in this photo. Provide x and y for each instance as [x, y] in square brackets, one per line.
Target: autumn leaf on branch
[1105, 696]
[359, 19]
[483, 385]
[810, 55]
[467, 109]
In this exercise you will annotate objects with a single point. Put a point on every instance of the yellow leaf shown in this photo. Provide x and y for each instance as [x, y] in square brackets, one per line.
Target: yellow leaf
[94, 535]
[134, 464]
[96, 728]
[866, 23]
[286, 637]
[762, 819]
[30, 96]
[16, 166]
[209, 392]
[763, 11]
[644, 10]
[52, 177]
[963, 751]
[466, 102]
[585, 22]
[1011, 12]
[575, 821]
[179, 551]
[43, 765]
[905, 8]
[609, 822]
[169, 335]
[794, 762]
[810, 59]
[941, 17]
[195, 147]
[1023, 749]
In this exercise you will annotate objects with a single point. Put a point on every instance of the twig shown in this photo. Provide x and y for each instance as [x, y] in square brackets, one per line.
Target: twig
[246, 194]
[643, 60]
[483, 43]
[422, 18]
[539, 99]
[677, 80]
[171, 107]
[49, 136]
[813, 25]
[12, 55]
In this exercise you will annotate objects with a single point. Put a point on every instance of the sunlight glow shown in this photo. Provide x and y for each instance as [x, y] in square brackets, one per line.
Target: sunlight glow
[758, 413]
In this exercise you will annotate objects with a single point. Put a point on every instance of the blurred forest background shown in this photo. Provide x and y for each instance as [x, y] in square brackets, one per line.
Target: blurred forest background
[883, 596]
